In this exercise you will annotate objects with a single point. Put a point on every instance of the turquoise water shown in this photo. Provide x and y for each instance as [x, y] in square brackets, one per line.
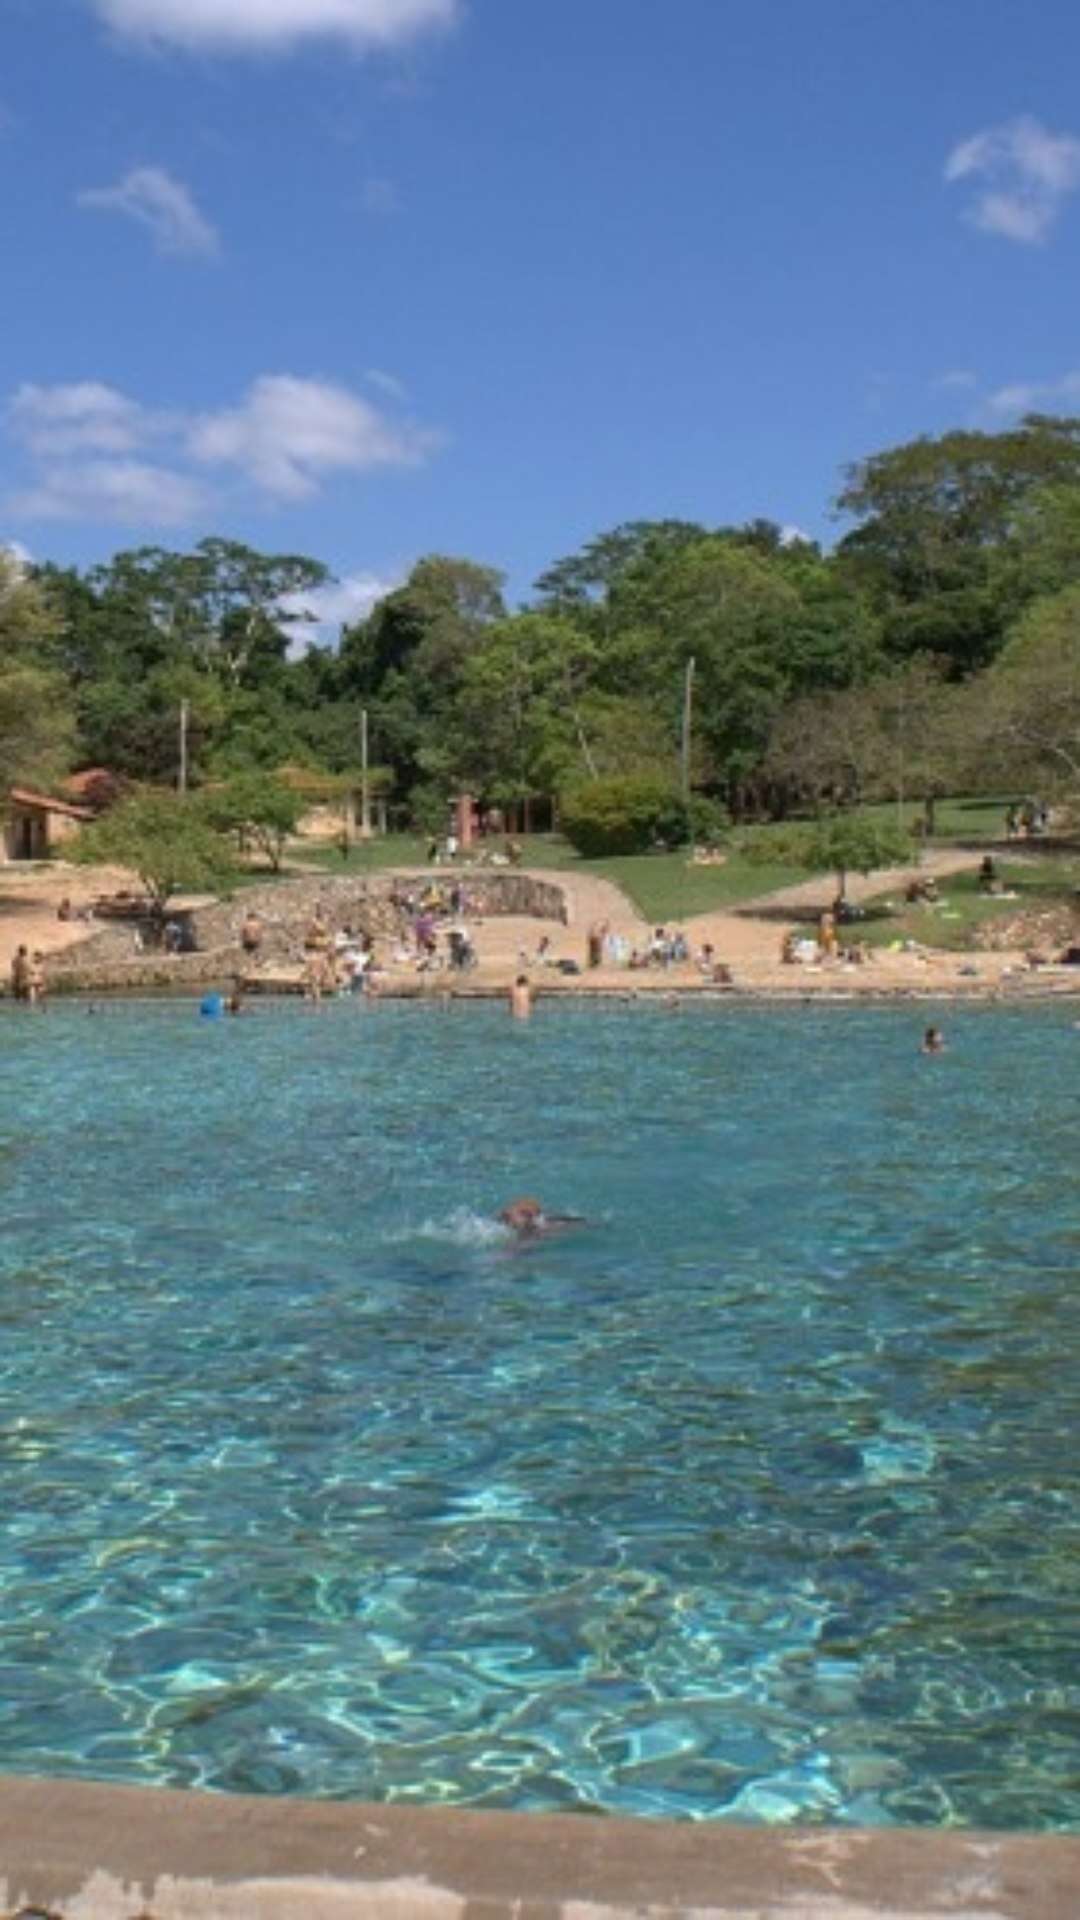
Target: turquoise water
[755, 1498]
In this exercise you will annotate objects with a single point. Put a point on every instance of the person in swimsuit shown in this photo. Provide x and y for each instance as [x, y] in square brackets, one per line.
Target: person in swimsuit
[318, 962]
[20, 974]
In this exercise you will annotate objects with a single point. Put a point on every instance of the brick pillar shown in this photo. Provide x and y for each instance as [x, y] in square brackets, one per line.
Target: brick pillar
[466, 829]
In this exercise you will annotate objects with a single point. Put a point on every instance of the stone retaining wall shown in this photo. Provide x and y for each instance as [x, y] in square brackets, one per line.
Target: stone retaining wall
[107, 963]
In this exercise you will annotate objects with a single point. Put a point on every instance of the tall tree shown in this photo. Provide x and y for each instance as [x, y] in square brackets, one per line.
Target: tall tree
[932, 515]
[35, 721]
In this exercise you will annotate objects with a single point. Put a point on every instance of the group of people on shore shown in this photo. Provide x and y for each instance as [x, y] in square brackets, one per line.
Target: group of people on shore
[445, 851]
[826, 945]
[667, 947]
[1027, 822]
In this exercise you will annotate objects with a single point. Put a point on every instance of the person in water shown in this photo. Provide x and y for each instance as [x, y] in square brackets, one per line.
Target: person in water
[521, 998]
[529, 1218]
[933, 1040]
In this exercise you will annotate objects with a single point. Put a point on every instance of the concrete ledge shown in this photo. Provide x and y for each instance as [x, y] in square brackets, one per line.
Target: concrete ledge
[72, 1852]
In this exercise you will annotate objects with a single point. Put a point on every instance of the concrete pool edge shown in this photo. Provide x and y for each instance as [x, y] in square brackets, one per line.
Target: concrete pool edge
[71, 1851]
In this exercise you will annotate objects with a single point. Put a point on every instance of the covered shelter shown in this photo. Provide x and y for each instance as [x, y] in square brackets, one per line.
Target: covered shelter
[35, 826]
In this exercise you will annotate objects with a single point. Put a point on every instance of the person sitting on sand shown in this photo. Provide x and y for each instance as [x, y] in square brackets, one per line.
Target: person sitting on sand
[933, 1041]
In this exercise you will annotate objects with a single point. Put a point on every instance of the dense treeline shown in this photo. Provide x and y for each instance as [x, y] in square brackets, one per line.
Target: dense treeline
[937, 645]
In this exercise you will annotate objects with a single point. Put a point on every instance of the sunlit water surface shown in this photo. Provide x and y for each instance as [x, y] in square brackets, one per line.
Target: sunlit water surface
[754, 1498]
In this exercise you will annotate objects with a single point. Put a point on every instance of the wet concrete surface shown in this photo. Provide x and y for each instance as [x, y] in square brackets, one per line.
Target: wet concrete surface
[73, 1852]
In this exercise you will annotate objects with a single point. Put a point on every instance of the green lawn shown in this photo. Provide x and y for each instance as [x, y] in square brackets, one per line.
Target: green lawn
[951, 925]
[959, 819]
[663, 886]
[666, 887]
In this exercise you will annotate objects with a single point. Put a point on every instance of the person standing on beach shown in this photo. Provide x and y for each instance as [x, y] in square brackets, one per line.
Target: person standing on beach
[35, 981]
[251, 933]
[20, 972]
[318, 963]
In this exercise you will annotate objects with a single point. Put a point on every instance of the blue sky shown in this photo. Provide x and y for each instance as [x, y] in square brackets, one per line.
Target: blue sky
[373, 278]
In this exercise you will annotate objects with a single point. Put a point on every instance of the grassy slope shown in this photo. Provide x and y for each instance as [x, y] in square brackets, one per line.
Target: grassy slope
[666, 888]
[962, 908]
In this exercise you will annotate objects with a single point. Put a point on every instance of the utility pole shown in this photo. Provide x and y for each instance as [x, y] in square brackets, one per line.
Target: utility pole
[687, 723]
[185, 710]
[365, 784]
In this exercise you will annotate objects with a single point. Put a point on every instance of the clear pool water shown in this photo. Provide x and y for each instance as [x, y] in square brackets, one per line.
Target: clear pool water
[756, 1498]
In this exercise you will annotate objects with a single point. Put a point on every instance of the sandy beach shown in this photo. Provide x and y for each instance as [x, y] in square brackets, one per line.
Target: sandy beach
[747, 941]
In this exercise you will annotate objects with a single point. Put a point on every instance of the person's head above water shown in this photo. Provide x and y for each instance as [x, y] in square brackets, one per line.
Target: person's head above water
[524, 1215]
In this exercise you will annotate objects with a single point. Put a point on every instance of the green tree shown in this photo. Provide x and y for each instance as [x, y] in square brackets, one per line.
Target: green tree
[628, 814]
[1029, 709]
[933, 515]
[260, 811]
[840, 843]
[36, 729]
[164, 838]
[407, 660]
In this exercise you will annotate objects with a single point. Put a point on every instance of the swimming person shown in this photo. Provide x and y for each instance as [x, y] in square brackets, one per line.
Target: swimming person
[521, 999]
[530, 1220]
[933, 1041]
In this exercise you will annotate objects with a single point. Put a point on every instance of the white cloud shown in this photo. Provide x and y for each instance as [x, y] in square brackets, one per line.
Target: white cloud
[84, 416]
[793, 536]
[164, 206]
[289, 432]
[959, 381]
[1036, 396]
[88, 444]
[1025, 175]
[238, 26]
[123, 492]
[319, 616]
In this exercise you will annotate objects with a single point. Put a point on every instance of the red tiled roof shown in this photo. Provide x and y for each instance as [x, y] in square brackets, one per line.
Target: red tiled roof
[24, 797]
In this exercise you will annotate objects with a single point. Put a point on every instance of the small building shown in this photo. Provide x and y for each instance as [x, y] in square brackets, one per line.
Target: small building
[35, 826]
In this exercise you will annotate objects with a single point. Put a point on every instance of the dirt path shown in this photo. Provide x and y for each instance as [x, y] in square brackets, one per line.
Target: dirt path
[755, 930]
[30, 896]
[748, 939]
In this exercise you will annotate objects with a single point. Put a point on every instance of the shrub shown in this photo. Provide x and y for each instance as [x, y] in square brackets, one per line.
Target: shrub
[633, 813]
